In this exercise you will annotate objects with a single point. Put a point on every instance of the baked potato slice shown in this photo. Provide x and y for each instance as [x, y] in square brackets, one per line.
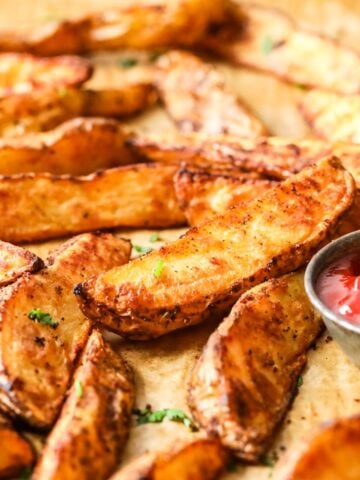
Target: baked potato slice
[43, 110]
[333, 454]
[204, 272]
[247, 375]
[15, 262]
[77, 147]
[202, 194]
[42, 206]
[331, 116]
[200, 459]
[94, 422]
[43, 330]
[21, 72]
[16, 452]
[197, 99]
[267, 39]
[141, 25]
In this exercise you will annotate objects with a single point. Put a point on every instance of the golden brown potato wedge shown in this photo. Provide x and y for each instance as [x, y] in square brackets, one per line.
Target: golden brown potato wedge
[204, 272]
[15, 262]
[15, 452]
[197, 99]
[202, 194]
[200, 459]
[37, 352]
[267, 39]
[20, 72]
[272, 157]
[41, 206]
[247, 375]
[93, 426]
[333, 454]
[77, 147]
[331, 116]
[43, 110]
[142, 25]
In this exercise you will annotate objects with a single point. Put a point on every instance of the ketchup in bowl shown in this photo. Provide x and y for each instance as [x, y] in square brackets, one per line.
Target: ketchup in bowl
[338, 287]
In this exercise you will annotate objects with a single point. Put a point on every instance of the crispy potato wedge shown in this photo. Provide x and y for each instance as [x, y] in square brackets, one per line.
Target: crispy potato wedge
[20, 72]
[202, 194]
[204, 272]
[272, 157]
[37, 359]
[41, 206]
[15, 453]
[331, 116]
[155, 24]
[267, 39]
[333, 454]
[77, 147]
[200, 459]
[94, 422]
[247, 375]
[197, 99]
[15, 262]
[43, 110]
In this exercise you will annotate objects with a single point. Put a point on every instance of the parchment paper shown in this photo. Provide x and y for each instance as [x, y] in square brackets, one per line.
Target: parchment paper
[331, 385]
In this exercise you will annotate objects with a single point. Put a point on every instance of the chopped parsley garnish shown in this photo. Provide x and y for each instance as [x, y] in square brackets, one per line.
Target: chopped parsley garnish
[157, 416]
[128, 62]
[267, 461]
[79, 388]
[158, 268]
[300, 381]
[141, 249]
[42, 317]
[266, 45]
[153, 56]
[154, 237]
[232, 465]
[25, 474]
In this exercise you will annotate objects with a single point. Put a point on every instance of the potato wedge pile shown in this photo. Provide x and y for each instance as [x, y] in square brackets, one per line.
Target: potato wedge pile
[85, 169]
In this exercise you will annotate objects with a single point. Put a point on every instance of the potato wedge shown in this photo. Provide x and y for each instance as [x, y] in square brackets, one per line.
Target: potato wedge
[203, 273]
[331, 116]
[43, 110]
[41, 206]
[202, 194]
[267, 39]
[20, 72]
[197, 99]
[94, 422]
[142, 25]
[15, 262]
[77, 147]
[37, 354]
[272, 157]
[15, 453]
[333, 454]
[200, 459]
[247, 375]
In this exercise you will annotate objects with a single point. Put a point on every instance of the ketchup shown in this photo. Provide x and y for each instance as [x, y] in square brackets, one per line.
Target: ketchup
[338, 287]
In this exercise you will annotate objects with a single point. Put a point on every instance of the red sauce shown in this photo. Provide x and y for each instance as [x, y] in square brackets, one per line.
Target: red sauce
[338, 287]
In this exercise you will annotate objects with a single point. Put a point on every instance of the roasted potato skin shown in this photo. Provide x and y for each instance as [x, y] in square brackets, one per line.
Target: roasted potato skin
[203, 273]
[197, 99]
[20, 72]
[16, 452]
[46, 109]
[267, 39]
[15, 262]
[333, 453]
[182, 22]
[77, 147]
[200, 459]
[140, 195]
[36, 360]
[93, 426]
[247, 375]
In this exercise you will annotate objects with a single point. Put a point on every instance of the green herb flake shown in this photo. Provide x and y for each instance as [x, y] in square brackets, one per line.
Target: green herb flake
[158, 268]
[25, 474]
[44, 318]
[267, 461]
[232, 466]
[154, 237]
[300, 381]
[153, 56]
[141, 249]
[266, 45]
[127, 62]
[79, 389]
[171, 414]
